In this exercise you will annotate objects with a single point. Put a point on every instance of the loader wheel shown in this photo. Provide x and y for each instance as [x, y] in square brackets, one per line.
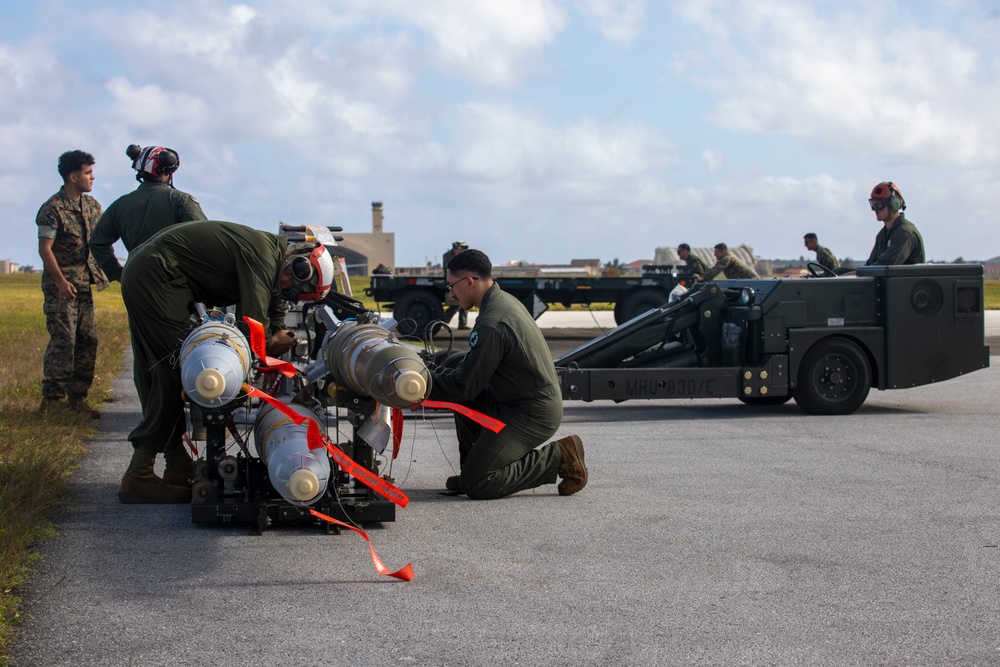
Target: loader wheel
[414, 310]
[639, 302]
[834, 378]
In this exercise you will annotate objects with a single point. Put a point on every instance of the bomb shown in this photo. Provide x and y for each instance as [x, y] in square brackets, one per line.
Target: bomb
[369, 361]
[215, 360]
[296, 472]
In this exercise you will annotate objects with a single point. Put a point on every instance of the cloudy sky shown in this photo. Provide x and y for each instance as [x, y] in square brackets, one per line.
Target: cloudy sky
[536, 130]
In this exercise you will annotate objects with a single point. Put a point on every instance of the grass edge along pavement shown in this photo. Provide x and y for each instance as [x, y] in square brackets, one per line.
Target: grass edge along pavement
[36, 464]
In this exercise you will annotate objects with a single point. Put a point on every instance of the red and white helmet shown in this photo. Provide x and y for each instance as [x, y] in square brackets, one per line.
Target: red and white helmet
[157, 161]
[311, 265]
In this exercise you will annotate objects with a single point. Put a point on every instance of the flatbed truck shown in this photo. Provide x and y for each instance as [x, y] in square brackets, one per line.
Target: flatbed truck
[419, 301]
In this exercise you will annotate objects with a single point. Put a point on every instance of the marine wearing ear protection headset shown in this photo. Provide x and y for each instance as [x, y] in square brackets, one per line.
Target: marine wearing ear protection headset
[888, 194]
[154, 160]
[311, 266]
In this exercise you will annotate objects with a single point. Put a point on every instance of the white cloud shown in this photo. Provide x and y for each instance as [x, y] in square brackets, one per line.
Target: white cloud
[486, 41]
[618, 20]
[844, 81]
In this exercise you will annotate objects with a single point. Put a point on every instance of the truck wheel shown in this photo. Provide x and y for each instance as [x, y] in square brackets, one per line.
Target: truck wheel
[765, 400]
[639, 302]
[834, 378]
[414, 310]
[619, 320]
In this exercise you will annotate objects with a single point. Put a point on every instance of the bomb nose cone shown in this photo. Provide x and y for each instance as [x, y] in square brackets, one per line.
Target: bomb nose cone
[303, 485]
[210, 384]
[410, 386]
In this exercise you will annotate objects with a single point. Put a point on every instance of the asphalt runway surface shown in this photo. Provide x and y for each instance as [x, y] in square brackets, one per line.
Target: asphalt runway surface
[711, 533]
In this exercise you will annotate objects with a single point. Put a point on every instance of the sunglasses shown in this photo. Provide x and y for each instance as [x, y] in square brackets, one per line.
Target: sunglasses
[451, 286]
[877, 204]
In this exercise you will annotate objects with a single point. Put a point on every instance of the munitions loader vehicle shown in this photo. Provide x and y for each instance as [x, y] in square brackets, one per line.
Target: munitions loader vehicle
[824, 341]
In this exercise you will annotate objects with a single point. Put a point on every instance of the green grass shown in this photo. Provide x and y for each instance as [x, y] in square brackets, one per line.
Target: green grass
[991, 295]
[38, 454]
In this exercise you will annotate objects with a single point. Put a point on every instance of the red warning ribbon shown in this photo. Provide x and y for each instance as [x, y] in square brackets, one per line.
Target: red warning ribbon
[405, 573]
[397, 430]
[485, 421]
[316, 440]
[258, 343]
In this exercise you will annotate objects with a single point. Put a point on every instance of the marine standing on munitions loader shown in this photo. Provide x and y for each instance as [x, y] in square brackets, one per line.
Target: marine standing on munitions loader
[823, 255]
[218, 263]
[728, 265]
[136, 217]
[65, 223]
[898, 242]
[507, 374]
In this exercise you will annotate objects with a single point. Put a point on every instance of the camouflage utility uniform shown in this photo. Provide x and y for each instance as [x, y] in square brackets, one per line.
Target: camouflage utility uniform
[136, 217]
[507, 374]
[68, 365]
[826, 258]
[732, 267]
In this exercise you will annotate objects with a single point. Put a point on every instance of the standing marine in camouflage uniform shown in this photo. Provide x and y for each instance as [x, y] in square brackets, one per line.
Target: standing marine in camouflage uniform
[507, 374]
[136, 217]
[65, 223]
[728, 265]
[694, 265]
[823, 255]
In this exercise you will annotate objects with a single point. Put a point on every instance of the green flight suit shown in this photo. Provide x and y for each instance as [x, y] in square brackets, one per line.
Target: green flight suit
[216, 263]
[136, 217]
[507, 374]
[899, 244]
[695, 265]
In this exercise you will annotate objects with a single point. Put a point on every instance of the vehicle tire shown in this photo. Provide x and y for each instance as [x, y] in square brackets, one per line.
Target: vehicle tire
[619, 320]
[834, 377]
[414, 310]
[640, 301]
[765, 400]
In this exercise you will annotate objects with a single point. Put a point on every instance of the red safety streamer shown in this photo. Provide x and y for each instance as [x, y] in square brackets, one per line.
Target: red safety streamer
[258, 343]
[485, 421]
[397, 430]
[405, 573]
[346, 463]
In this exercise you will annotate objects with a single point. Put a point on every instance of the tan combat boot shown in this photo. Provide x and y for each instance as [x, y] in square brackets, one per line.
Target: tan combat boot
[80, 407]
[571, 468]
[48, 405]
[179, 469]
[141, 485]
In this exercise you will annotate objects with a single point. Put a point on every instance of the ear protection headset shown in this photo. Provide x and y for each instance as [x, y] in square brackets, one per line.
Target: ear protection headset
[153, 159]
[312, 268]
[891, 193]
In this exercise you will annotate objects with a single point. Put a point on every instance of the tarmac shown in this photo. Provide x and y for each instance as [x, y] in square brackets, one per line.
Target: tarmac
[711, 533]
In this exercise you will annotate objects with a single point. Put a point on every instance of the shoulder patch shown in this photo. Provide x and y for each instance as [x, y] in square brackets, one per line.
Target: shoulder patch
[473, 338]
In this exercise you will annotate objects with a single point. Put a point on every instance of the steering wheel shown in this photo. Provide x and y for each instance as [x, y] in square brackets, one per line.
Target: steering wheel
[818, 270]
